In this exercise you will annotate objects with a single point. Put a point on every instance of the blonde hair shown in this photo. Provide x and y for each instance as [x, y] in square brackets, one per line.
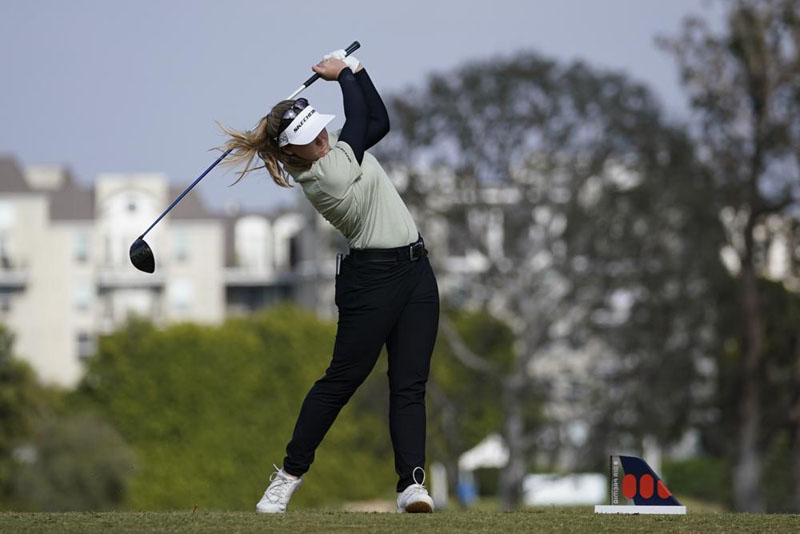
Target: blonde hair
[260, 141]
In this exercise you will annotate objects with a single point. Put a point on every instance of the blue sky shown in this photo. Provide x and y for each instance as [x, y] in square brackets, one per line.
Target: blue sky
[135, 86]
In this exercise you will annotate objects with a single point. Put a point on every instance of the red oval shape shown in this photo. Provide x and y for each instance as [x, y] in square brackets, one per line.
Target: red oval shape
[646, 486]
[663, 492]
[629, 486]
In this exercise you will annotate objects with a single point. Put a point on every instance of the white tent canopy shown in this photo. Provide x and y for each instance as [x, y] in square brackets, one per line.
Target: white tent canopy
[491, 452]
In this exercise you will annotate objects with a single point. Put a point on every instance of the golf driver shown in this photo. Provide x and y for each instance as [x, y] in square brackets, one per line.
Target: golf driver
[140, 252]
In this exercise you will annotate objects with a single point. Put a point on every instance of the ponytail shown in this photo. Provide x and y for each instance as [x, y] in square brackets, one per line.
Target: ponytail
[260, 141]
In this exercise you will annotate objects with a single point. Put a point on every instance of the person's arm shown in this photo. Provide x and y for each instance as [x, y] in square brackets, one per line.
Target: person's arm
[354, 131]
[378, 119]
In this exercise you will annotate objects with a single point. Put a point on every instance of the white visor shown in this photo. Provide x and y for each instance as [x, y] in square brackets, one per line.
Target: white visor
[305, 127]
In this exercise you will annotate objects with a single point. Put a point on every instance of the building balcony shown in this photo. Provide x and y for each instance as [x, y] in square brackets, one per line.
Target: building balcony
[245, 277]
[13, 276]
[124, 278]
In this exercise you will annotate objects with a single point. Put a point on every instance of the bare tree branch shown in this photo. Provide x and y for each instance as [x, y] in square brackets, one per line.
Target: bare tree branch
[463, 353]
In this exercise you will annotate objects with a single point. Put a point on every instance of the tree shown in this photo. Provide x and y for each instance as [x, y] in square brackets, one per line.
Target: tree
[743, 84]
[73, 462]
[22, 403]
[576, 208]
[51, 459]
[779, 426]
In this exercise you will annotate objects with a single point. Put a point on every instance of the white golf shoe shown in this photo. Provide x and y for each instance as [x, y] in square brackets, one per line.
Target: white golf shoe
[415, 498]
[280, 490]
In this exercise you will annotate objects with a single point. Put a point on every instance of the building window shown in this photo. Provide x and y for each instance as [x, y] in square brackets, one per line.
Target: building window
[84, 294]
[7, 215]
[5, 260]
[294, 251]
[82, 246]
[181, 246]
[252, 237]
[5, 301]
[181, 294]
[86, 346]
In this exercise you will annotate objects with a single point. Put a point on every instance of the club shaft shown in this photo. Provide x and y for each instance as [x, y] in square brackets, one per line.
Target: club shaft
[355, 45]
[297, 92]
[223, 156]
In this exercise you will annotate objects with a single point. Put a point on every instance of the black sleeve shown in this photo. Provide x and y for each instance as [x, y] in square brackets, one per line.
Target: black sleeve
[354, 131]
[378, 122]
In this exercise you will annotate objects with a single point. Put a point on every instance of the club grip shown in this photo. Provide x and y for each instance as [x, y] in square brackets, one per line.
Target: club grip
[355, 45]
[352, 48]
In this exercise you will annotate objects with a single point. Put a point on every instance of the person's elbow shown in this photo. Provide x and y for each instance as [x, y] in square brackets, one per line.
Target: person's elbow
[384, 127]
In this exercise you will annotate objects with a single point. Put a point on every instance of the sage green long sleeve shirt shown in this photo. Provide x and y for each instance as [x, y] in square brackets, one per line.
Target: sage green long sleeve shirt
[359, 200]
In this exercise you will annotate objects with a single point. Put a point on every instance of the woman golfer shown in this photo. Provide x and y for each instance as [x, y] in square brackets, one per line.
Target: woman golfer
[386, 291]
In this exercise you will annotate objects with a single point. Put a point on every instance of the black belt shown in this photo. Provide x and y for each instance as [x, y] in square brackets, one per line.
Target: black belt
[411, 252]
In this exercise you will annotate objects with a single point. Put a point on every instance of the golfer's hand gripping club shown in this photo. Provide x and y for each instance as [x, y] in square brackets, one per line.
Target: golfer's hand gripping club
[349, 50]
[350, 61]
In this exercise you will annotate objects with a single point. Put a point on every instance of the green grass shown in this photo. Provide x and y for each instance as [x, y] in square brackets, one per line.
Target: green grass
[307, 522]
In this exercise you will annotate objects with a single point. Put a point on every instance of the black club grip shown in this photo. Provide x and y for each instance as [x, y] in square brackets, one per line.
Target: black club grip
[349, 50]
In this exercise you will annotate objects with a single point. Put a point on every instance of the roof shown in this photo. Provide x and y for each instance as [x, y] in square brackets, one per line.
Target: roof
[190, 207]
[71, 202]
[11, 178]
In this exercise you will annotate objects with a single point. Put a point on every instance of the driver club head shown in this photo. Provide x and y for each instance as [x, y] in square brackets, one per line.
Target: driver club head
[142, 257]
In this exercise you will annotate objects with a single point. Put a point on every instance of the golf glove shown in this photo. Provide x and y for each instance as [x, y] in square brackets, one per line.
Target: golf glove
[350, 61]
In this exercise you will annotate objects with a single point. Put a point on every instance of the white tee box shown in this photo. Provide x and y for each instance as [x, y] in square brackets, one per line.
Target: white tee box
[628, 509]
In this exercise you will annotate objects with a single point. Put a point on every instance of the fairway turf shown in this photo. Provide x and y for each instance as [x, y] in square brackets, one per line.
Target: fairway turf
[307, 522]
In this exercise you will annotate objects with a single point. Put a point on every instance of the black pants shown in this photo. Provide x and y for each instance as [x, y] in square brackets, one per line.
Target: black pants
[394, 302]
